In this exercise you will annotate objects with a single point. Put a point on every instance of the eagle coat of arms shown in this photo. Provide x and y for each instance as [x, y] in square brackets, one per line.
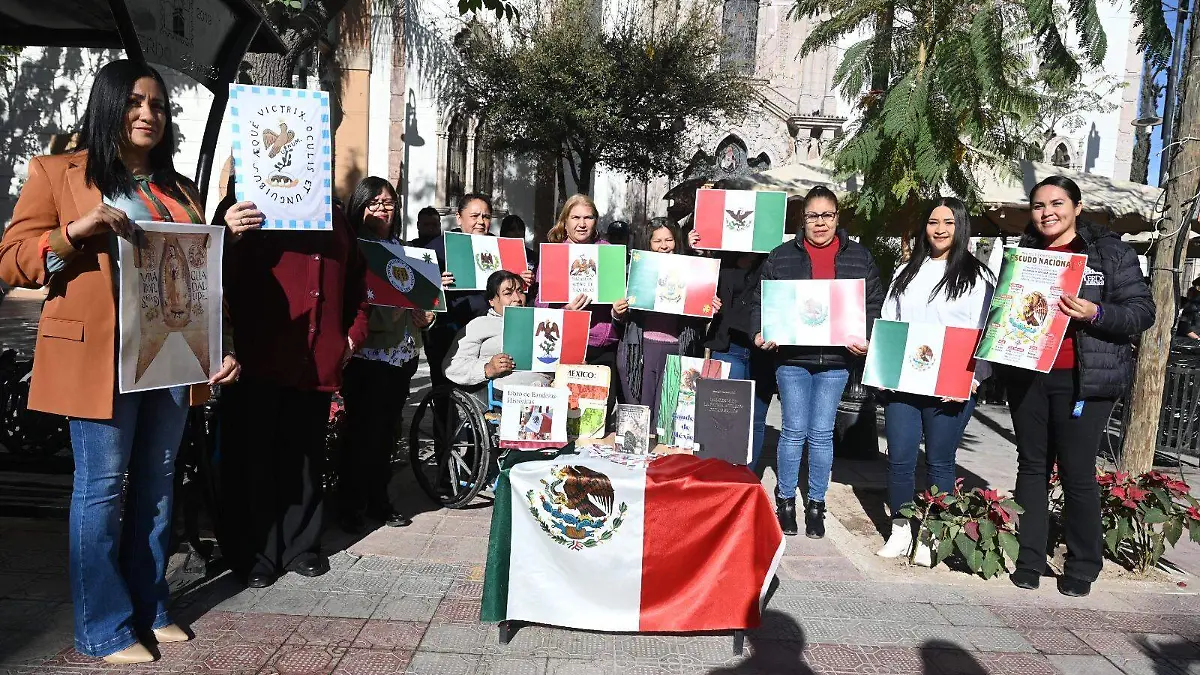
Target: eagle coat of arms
[575, 507]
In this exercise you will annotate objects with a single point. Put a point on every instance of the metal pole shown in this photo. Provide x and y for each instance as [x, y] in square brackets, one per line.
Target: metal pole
[1169, 102]
[239, 42]
[125, 29]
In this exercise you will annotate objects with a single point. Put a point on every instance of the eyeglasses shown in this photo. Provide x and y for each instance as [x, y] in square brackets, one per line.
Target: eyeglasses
[818, 217]
[381, 206]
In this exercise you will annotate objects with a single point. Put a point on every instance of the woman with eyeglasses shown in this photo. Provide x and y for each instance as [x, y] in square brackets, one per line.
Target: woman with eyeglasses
[810, 380]
[377, 379]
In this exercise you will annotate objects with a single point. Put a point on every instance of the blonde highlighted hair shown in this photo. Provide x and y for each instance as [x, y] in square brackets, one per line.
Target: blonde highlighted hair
[558, 233]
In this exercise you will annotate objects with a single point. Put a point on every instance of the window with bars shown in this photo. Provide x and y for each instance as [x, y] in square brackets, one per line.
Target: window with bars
[483, 162]
[739, 26]
[456, 159]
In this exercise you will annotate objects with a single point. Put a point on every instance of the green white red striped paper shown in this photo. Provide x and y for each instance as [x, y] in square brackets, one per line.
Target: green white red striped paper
[541, 339]
[815, 312]
[1025, 327]
[673, 284]
[472, 258]
[568, 270]
[921, 358]
[402, 276]
[677, 400]
[740, 220]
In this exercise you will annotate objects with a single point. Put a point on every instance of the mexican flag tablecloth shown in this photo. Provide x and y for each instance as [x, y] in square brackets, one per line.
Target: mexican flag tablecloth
[630, 543]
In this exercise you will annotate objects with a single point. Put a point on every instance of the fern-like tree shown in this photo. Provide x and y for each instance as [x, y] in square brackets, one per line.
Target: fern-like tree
[946, 90]
[619, 87]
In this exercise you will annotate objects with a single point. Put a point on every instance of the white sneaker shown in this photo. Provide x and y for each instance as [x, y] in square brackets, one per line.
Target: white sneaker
[900, 543]
[923, 556]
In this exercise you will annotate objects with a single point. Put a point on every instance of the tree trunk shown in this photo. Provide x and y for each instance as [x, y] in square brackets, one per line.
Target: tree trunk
[1141, 438]
[584, 182]
[1139, 171]
[881, 49]
[270, 70]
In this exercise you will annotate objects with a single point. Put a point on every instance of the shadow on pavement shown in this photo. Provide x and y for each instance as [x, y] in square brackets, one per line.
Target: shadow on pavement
[945, 658]
[774, 648]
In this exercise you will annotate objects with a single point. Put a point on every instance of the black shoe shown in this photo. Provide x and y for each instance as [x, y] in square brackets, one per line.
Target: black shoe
[1075, 588]
[312, 567]
[1027, 579]
[814, 520]
[389, 516]
[259, 580]
[785, 510]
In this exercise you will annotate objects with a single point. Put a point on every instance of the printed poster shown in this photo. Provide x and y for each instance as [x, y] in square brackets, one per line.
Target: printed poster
[569, 270]
[677, 400]
[1025, 327]
[588, 405]
[673, 284]
[814, 312]
[169, 297]
[534, 417]
[281, 155]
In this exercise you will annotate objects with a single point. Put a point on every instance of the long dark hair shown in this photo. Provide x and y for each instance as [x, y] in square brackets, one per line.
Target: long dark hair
[497, 280]
[103, 131]
[656, 224]
[364, 193]
[1069, 186]
[963, 269]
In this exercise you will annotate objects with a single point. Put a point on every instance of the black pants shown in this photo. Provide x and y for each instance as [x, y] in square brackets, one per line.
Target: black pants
[438, 342]
[375, 393]
[607, 356]
[1042, 406]
[272, 468]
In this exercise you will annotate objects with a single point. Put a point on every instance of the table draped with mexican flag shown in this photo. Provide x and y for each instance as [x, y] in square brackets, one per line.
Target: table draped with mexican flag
[600, 540]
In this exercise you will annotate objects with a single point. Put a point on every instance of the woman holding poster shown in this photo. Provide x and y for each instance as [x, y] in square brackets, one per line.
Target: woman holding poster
[576, 224]
[64, 236]
[944, 284]
[1059, 416]
[811, 379]
[376, 381]
[650, 336]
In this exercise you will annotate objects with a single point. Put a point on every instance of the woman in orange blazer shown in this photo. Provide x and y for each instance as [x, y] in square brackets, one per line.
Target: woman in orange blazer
[63, 237]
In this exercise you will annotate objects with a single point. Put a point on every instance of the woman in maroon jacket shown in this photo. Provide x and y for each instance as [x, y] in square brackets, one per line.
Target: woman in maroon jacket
[297, 303]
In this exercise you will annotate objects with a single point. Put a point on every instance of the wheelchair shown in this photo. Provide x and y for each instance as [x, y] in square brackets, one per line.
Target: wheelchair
[454, 444]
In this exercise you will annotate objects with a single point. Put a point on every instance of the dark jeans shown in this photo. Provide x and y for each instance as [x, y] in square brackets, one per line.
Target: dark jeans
[272, 469]
[908, 417]
[375, 393]
[1042, 405]
[753, 364]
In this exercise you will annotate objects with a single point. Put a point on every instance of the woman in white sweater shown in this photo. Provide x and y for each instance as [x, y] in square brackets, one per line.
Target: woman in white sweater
[942, 283]
[476, 356]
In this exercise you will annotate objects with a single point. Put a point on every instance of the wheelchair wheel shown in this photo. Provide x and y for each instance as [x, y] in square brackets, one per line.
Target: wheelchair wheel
[450, 446]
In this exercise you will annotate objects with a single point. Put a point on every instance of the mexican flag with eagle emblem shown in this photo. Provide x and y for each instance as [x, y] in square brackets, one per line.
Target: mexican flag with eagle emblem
[673, 284]
[402, 276]
[540, 339]
[472, 258]
[740, 220]
[606, 541]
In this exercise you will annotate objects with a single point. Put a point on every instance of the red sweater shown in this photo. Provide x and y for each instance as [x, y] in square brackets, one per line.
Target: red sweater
[1066, 353]
[293, 298]
[822, 258]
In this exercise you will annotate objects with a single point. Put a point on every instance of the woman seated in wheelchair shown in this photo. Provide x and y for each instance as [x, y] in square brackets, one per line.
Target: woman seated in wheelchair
[476, 358]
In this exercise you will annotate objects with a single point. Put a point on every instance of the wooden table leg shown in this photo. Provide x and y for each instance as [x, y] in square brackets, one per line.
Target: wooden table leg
[507, 630]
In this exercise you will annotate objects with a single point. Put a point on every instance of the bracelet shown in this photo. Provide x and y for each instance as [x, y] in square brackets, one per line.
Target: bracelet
[1098, 315]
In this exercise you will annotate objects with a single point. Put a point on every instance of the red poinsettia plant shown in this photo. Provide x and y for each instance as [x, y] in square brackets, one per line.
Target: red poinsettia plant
[1142, 515]
[978, 525]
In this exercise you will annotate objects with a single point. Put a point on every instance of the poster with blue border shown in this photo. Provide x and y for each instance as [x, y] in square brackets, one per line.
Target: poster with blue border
[281, 155]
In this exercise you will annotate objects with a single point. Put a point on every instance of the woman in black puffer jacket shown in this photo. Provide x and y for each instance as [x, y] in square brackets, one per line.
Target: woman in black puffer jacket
[1060, 415]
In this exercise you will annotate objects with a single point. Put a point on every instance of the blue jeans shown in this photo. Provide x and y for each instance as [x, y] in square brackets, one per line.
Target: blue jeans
[118, 548]
[809, 397]
[907, 418]
[747, 365]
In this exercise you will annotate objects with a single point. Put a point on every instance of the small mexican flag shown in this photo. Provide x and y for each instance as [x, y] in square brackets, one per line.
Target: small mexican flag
[740, 220]
[921, 358]
[472, 258]
[402, 276]
[814, 312]
[673, 284]
[610, 542]
[596, 270]
[540, 339]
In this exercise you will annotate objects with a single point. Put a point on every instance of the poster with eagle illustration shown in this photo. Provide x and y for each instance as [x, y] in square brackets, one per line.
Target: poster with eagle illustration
[169, 296]
[282, 156]
[1025, 327]
[534, 417]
